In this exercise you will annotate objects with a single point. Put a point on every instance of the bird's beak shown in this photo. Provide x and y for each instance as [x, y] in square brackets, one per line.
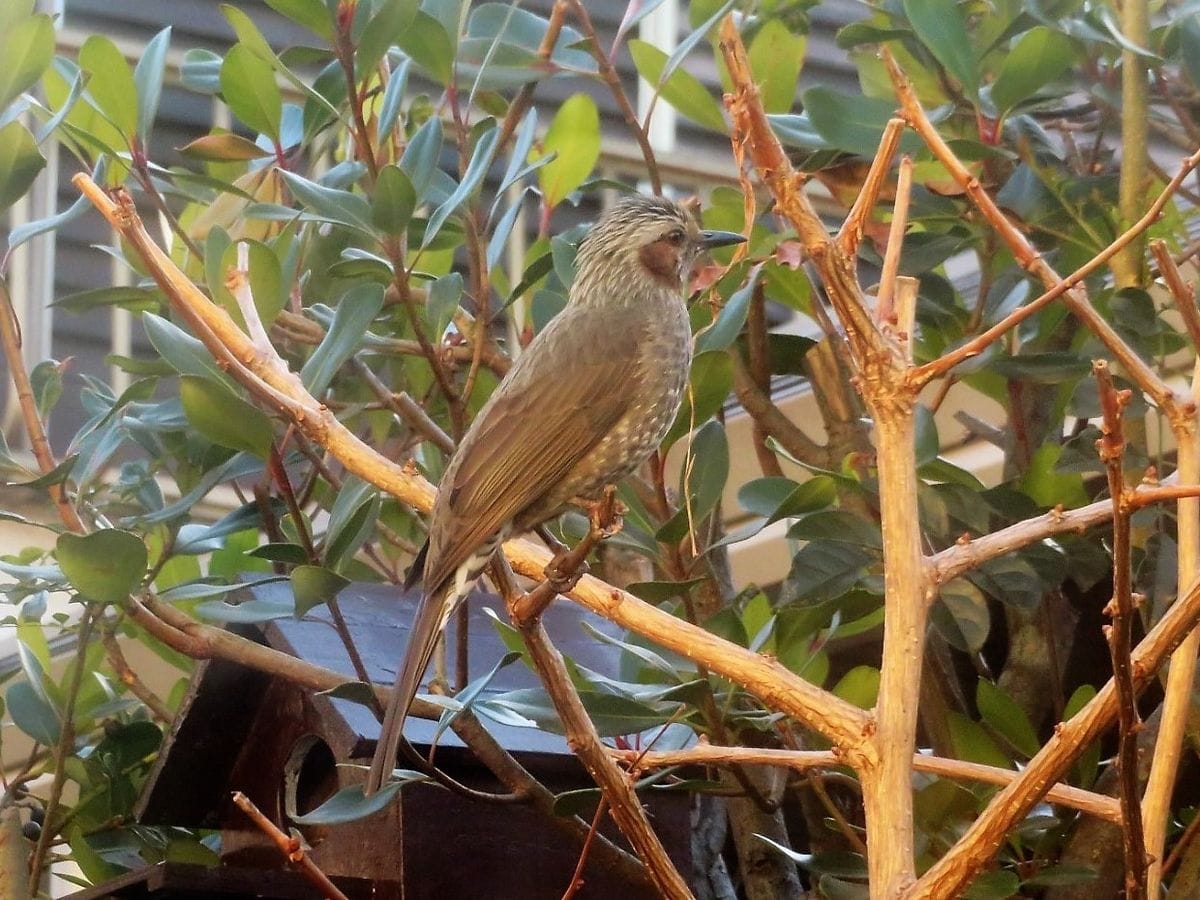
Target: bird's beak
[710, 239]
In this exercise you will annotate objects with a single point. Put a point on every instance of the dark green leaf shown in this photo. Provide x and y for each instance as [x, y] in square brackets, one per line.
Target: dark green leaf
[331, 204]
[710, 382]
[971, 742]
[481, 160]
[293, 554]
[384, 29]
[705, 470]
[429, 45]
[962, 616]
[852, 122]
[778, 498]
[997, 885]
[32, 714]
[940, 26]
[1040, 56]
[725, 330]
[824, 571]
[393, 202]
[20, 162]
[131, 298]
[106, 565]
[249, 613]
[1062, 874]
[225, 418]
[349, 804]
[183, 353]
[420, 159]
[442, 301]
[315, 585]
[355, 312]
[999, 711]
[26, 48]
[837, 525]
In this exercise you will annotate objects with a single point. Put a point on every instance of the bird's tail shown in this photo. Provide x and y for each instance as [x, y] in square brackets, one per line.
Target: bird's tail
[432, 613]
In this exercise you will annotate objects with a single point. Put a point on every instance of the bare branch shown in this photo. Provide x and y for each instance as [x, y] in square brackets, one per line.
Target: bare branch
[851, 232]
[705, 754]
[290, 846]
[891, 257]
[1111, 447]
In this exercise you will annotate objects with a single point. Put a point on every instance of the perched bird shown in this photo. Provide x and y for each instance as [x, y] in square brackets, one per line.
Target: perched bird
[586, 403]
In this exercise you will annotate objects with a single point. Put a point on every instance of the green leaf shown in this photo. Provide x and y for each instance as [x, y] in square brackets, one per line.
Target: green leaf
[351, 520]
[20, 162]
[393, 202]
[574, 135]
[1047, 486]
[1062, 874]
[355, 312]
[962, 615]
[393, 96]
[148, 76]
[426, 41]
[1040, 56]
[106, 565]
[312, 14]
[852, 122]
[247, 32]
[971, 742]
[710, 382]
[825, 571]
[780, 498]
[835, 525]
[225, 418]
[940, 26]
[349, 804]
[384, 29]
[859, 686]
[111, 83]
[776, 56]
[1001, 713]
[705, 471]
[331, 204]
[131, 298]
[250, 91]
[420, 159]
[682, 90]
[998, 885]
[728, 325]
[481, 159]
[315, 585]
[1189, 48]
[182, 352]
[27, 49]
[46, 383]
[443, 299]
[32, 714]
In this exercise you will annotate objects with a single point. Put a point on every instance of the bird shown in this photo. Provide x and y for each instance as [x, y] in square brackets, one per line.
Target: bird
[586, 403]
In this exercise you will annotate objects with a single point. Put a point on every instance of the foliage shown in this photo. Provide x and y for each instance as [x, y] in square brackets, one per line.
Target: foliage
[368, 190]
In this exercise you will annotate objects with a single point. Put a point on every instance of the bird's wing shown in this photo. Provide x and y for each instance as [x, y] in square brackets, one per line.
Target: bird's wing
[525, 442]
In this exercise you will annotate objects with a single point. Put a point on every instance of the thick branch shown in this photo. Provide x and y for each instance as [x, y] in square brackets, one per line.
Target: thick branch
[705, 754]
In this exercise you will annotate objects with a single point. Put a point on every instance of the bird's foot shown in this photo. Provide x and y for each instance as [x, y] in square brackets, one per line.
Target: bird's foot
[562, 572]
[604, 515]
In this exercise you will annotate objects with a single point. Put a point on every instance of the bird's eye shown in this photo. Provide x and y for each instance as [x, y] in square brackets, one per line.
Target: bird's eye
[676, 237]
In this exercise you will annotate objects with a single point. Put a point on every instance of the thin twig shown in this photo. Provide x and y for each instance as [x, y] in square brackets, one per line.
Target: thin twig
[884, 311]
[1070, 289]
[612, 78]
[1183, 294]
[851, 232]
[290, 846]
[62, 749]
[1111, 447]
[128, 677]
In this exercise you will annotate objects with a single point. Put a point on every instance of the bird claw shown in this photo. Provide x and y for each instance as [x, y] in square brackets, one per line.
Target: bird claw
[562, 579]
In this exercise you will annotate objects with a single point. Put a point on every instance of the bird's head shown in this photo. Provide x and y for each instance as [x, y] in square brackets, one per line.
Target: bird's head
[650, 238]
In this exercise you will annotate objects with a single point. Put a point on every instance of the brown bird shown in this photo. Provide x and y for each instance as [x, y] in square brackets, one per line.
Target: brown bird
[590, 398]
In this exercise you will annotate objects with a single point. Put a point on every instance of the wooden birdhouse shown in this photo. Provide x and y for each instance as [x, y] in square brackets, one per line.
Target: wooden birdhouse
[284, 747]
